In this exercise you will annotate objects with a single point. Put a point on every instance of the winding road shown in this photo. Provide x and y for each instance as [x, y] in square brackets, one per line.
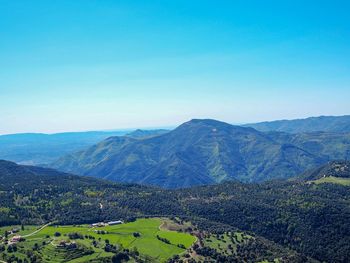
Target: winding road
[38, 230]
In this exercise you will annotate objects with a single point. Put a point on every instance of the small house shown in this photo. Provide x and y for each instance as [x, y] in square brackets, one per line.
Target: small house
[118, 222]
[16, 239]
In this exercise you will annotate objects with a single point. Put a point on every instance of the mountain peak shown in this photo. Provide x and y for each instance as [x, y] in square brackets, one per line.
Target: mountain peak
[206, 121]
[206, 124]
[199, 151]
[211, 125]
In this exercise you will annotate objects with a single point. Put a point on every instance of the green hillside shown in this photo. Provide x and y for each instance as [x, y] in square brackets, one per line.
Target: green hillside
[200, 152]
[336, 172]
[312, 219]
[40, 148]
[103, 242]
[336, 169]
[334, 180]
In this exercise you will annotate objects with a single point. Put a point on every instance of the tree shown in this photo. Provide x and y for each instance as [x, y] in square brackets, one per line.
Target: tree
[136, 234]
[120, 257]
[36, 246]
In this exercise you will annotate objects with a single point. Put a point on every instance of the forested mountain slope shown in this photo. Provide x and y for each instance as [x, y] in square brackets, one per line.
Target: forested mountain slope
[201, 152]
[328, 145]
[310, 218]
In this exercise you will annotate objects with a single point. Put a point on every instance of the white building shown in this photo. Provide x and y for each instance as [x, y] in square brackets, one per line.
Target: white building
[118, 222]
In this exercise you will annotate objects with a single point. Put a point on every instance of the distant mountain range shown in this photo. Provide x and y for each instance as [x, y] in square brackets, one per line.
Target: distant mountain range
[312, 124]
[39, 148]
[192, 154]
[142, 134]
[42, 149]
[202, 152]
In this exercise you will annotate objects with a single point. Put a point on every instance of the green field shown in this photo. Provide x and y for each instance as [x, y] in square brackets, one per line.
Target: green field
[147, 244]
[334, 180]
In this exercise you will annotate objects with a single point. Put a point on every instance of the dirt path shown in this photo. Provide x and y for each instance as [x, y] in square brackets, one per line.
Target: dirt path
[38, 230]
[161, 225]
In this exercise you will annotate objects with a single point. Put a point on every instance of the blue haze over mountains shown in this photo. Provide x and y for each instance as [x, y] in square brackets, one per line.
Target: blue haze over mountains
[205, 151]
[39, 148]
[198, 152]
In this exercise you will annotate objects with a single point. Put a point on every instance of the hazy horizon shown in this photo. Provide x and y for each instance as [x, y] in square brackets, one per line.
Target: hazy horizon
[102, 65]
[167, 127]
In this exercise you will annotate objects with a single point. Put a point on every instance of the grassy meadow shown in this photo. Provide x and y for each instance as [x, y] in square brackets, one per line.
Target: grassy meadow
[334, 180]
[92, 246]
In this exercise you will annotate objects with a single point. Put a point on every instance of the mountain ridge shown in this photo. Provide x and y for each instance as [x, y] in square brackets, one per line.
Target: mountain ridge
[197, 152]
[310, 124]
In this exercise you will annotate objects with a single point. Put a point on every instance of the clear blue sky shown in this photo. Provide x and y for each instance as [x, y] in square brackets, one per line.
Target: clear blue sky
[92, 65]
